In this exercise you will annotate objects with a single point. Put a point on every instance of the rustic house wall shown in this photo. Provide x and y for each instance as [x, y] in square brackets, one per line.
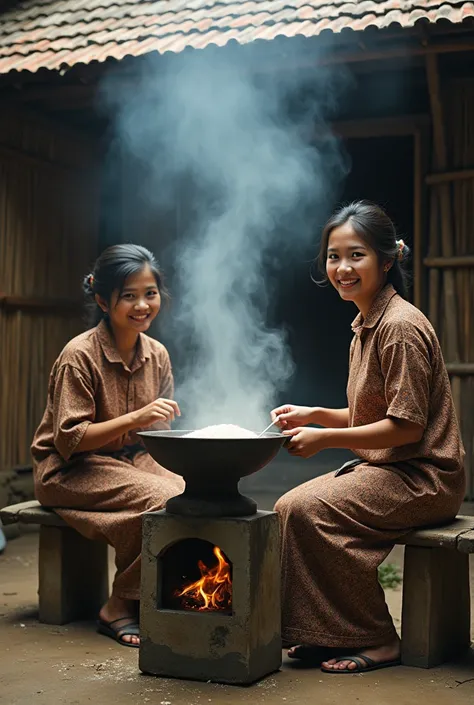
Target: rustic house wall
[49, 221]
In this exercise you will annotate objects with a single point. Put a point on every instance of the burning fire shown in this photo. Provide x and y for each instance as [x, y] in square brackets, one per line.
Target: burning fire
[213, 591]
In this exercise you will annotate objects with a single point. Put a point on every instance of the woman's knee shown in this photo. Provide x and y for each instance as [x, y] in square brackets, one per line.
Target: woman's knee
[304, 498]
[284, 505]
[293, 504]
[149, 494]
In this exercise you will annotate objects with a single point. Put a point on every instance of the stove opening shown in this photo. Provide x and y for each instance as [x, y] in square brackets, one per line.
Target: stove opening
[197, 576]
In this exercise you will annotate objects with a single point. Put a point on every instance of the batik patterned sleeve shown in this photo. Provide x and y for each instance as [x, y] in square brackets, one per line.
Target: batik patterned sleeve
[166, 380]
[73, 409]
[407, 372]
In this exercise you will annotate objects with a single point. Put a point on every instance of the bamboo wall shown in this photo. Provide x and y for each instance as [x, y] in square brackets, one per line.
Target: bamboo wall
[49, 219]
[451, 243]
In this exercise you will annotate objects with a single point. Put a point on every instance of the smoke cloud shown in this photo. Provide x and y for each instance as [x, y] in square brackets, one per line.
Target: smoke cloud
[249, 158]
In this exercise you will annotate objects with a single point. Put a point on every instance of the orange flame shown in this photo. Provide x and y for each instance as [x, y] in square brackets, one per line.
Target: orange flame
[213, 591]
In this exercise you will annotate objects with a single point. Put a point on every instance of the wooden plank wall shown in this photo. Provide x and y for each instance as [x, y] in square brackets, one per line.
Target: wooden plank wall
[49, 221]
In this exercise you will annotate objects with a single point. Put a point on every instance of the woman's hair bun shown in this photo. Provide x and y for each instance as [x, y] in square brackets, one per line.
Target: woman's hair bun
[403, 250]
[88, 285]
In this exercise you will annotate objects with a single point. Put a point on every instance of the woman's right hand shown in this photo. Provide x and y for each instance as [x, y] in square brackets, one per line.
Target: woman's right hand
[290, 416]
[158, 410]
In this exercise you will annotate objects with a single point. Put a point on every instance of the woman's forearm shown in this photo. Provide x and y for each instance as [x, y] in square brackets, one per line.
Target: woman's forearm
[388, 433]
[100, 434]
[331, 418]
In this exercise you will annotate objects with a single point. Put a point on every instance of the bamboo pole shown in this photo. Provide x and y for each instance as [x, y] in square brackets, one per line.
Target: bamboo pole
[461, 369]
[433, 301]
[451, 341]
[418, 221]
[440, 154]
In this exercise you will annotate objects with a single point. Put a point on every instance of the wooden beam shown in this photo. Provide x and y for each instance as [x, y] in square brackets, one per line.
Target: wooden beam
[399, 52]
[19, 155]
[36, 304]
[458, 261]
[51, 93]
[403, 125]
[461, 369]
[447, 176]
[56, 97]
[79, 137]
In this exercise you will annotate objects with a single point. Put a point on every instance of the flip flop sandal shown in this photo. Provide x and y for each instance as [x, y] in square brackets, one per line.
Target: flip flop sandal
[364, 664]
[117, 633]
[314, 654]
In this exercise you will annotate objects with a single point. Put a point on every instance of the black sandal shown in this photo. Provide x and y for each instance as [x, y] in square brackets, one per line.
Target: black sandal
[117, 633]
[364, 664]
[314, 655]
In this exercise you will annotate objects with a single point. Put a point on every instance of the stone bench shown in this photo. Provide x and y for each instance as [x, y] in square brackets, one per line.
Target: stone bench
[73, 581]
[73, 571]
[436, 608]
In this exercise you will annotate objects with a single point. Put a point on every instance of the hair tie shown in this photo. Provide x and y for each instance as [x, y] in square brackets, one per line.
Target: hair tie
[91, 280]
[401, 246]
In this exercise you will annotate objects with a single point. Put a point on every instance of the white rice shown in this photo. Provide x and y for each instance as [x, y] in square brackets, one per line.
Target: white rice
[223, 430]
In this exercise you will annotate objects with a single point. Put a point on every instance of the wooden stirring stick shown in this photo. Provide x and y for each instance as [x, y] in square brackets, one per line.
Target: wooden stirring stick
[273, 423]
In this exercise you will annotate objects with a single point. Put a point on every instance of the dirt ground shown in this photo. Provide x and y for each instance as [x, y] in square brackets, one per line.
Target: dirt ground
[47, 665]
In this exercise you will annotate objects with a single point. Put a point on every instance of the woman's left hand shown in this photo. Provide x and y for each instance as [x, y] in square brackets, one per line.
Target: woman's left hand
[306, 442]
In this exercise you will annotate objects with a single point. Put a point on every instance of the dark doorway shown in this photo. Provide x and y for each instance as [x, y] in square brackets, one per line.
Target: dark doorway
[320, 323]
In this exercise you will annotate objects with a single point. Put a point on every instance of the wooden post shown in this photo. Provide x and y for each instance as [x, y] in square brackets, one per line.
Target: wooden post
[417, 223]
[73, 576]
[436, 618]
[420, 196]
[434, 274]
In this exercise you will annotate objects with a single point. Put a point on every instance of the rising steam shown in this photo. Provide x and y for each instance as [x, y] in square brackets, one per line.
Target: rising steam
[239, 149]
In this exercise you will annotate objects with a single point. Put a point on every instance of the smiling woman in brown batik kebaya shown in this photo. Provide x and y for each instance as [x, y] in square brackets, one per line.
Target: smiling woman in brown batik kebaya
[400, 422]
[106, 385]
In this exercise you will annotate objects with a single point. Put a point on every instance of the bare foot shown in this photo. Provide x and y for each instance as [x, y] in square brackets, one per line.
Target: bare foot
[379, 654]
[116, 608]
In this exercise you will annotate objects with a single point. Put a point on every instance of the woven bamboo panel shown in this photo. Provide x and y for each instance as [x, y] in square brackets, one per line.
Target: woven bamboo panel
[49, 220]
[459, 127]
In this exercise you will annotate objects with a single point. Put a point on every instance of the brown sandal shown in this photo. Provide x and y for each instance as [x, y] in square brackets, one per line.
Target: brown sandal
[314, 655]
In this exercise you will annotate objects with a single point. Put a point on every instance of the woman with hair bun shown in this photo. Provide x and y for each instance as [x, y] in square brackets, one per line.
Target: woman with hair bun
[107, 384]
[401, 424]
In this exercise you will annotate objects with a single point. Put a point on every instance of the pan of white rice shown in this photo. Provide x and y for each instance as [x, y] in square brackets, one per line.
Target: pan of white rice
[208, 452]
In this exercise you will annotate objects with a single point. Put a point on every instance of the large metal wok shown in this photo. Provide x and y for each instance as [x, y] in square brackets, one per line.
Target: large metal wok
[212, 468]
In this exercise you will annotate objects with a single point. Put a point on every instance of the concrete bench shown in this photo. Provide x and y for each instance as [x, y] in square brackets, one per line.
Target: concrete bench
[73, 571]
[436, 608]
[73, 581]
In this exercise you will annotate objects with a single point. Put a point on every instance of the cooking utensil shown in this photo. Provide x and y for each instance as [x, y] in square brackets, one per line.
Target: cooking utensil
[273, 423]
[212, 468]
